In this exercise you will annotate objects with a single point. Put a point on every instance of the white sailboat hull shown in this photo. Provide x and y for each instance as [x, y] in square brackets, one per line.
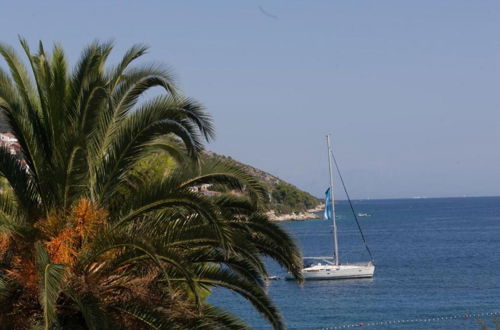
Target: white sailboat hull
[337, 272]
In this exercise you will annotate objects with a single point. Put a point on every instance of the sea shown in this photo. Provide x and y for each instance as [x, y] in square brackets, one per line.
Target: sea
[437, 267]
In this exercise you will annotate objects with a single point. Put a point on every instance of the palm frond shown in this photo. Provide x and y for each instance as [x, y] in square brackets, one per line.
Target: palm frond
[217, 276]
[135, 82]
[5, 290]
[51, 283]
[231, 205]
[239, 263]
[161, 117]
[224, 173]
[19, 180]
[19, 75]
[147, 317]
[170, 146]
[12, 217]
[94, 316]
[132, 54]
[116, 241]
[216, 318]
[274, 242]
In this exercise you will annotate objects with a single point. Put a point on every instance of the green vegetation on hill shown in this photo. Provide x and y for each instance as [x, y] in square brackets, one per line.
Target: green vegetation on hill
[287, 199]
[283, 197]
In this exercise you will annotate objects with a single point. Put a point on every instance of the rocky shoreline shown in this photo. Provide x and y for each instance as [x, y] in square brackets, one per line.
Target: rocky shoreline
[300, 216]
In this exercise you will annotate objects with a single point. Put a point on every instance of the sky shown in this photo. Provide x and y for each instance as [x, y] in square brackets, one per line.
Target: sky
[409, 90]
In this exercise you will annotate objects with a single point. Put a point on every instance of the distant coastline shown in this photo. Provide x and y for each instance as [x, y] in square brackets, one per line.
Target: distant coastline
[310, 214]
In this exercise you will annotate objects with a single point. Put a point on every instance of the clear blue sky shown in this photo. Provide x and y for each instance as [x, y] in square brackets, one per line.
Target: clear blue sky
[410, 89]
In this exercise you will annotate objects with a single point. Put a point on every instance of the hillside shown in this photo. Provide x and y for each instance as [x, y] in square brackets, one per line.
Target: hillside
[284, 198]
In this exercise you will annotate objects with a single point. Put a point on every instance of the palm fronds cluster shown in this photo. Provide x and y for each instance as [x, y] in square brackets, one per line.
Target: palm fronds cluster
[89, 242]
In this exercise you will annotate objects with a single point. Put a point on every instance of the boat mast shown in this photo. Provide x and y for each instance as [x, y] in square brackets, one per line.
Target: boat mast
[335, 240]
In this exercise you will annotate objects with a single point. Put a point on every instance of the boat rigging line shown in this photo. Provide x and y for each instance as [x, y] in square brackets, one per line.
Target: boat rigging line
[352, 207]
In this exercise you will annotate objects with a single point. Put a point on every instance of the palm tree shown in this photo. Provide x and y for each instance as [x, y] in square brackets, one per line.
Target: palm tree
[89, 242]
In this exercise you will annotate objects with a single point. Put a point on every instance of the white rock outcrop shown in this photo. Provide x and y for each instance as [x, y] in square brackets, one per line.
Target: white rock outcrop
[300, 216]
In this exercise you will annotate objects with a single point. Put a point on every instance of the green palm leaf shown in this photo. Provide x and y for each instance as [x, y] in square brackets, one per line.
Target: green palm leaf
[91, 310]
[147, 316]
[5, 290]
[216, 276]
[216, 318]
[51, 284]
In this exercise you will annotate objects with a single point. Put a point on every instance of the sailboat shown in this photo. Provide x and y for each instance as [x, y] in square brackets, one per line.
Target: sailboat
[330, 268]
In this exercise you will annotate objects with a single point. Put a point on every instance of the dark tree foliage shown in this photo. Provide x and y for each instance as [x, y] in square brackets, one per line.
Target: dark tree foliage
[287, 199]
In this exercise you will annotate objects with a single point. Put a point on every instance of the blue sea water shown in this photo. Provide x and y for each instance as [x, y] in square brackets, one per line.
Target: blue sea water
[435, 258]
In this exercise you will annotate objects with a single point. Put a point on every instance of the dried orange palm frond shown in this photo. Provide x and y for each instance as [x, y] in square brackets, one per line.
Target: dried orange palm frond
[83, 222]
[87, 218]
[4, 243]
[62, 248]
[23, 271]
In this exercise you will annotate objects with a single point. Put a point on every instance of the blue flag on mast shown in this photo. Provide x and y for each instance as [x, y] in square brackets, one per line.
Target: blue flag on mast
[328, 205]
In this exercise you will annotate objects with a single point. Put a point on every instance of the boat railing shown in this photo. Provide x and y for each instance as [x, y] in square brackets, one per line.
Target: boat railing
[329, 259]
[319, 258]
[365, 263]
